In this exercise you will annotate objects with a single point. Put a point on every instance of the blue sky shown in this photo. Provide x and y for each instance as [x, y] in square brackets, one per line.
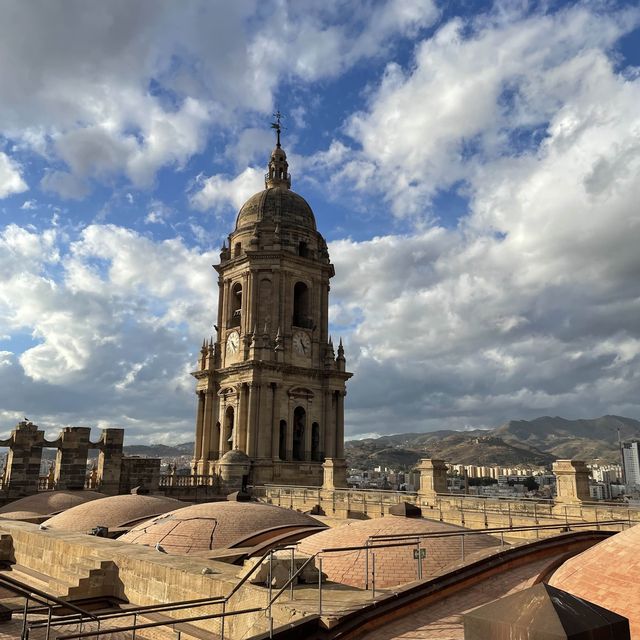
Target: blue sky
[474, 167]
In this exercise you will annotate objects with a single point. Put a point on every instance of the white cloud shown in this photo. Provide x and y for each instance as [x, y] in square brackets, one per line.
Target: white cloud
[530, 306]
[218, 192]
[467, 98]
[10, 177]
[113, 316]
[115, 89]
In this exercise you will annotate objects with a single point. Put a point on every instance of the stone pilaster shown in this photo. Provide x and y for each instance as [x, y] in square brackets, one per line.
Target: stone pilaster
[433, 478]
[334, 474]
[23, 461]
[110, 461]
[572, 481]
[71, 458]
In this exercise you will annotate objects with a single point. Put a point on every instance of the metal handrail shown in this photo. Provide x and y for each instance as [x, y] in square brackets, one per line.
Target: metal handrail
[158, 623]
[489, 531]
[174, 606]
[42, 595]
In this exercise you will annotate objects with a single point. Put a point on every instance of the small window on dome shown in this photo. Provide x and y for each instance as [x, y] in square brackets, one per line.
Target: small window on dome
[303, 249]
[237, 249]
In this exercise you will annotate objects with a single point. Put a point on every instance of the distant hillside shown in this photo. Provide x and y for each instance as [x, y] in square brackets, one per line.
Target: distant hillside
[581, 439]
[159, 450]
[537, 442]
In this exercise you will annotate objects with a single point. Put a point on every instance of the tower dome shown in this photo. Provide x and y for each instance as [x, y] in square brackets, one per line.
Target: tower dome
[277, 204]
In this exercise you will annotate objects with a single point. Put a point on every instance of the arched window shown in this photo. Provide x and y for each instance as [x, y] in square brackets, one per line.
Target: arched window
[301, 306]
[315, 442]
[235, 305]
[303, 249]
[228, 428]
[237, 249]
[282, 442]
[299, 423]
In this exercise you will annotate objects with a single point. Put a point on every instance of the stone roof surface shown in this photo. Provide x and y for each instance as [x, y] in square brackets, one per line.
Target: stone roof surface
[46, 502]
[279, 205]
[212, 525]
[607, 575]
[394, 565]
[112, 512]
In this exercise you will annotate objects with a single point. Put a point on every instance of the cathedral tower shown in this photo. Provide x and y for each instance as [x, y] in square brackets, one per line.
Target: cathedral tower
[271, 384]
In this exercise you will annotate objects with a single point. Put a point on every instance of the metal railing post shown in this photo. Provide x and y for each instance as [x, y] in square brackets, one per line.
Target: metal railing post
[270, 574]
[373, 574]
[366, 566]
[24, 618]
[291, 572]
[135, 622]
[224, 610]
[48, 623]
[502, 538]
[320, 585]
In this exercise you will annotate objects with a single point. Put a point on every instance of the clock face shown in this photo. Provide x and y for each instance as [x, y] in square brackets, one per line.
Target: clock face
[233, 343]
[302, 343]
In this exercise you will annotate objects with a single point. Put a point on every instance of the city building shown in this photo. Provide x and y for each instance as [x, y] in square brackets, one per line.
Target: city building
[631, 462]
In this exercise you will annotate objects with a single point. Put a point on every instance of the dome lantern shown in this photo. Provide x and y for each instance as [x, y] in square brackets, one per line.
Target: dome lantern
[278, 171]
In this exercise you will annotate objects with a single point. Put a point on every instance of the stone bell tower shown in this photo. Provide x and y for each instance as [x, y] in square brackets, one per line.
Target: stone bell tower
[271, 385]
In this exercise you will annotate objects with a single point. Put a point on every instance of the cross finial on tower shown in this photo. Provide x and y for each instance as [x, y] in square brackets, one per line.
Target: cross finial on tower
[276, 125]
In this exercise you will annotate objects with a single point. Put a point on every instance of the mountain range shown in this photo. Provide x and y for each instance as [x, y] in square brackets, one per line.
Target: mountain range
[516, 442]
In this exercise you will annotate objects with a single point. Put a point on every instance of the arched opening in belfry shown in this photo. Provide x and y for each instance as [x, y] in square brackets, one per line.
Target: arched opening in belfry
[282, 442]
[215, 442]
[301, 306]
[229, 415]
[299, 423]
[315, 442]
[235, 305]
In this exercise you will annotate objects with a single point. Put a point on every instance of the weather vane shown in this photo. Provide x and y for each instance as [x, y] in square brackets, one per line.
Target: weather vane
[276, 125]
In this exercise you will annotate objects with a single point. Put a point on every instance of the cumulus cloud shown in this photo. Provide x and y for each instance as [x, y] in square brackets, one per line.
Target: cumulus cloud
[10, 177]
[109, 89]
[529, 305]
[218, 192]
[111, 315]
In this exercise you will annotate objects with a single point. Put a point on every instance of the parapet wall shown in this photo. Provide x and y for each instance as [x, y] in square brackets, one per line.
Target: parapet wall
[466, 511]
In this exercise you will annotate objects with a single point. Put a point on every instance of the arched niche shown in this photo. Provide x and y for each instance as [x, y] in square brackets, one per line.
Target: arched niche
[299, 426]
[302, 306]
[235, 305]
[282, 440]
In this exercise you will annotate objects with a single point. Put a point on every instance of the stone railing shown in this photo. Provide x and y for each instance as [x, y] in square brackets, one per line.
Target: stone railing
[176, 480]
[470, 511]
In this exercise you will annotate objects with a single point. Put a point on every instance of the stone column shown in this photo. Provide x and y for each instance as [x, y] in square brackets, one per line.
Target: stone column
[243, 416]
[110, 461]
[433, 478]
[252, 419]
[266, 422]
[289, 447]
[572, 481]
[22, 472]
[334, 474]
[206, 429]
[340, 424]
[71, 459]
[329, 426]
[275, 424]
[197, 452]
